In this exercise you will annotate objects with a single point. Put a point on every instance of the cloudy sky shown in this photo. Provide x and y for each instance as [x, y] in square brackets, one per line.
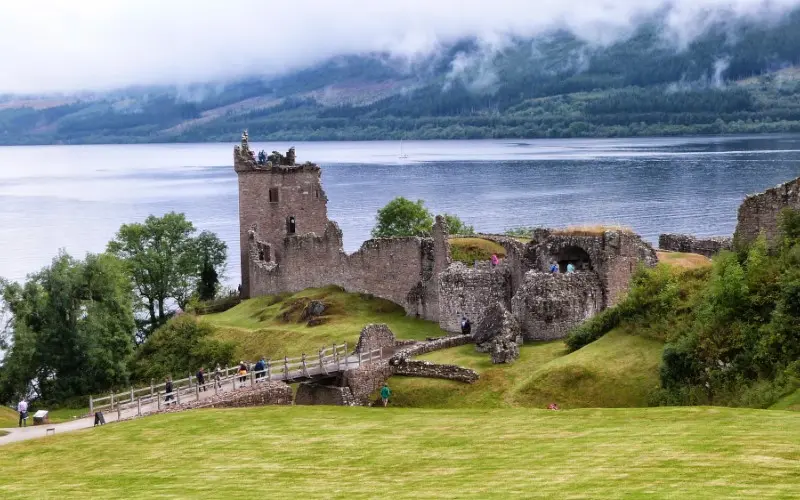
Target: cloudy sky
[62, 45]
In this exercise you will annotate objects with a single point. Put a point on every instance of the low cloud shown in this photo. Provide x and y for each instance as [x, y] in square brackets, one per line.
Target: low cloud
[52, 45]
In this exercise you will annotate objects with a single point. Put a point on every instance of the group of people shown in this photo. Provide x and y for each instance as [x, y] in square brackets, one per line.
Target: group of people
[555, 269]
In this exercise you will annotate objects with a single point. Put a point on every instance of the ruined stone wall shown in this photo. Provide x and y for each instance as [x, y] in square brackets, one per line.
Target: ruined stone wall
[434, 370]
[310, 393]
[420, 348]
[548, 305]
[366, 379]
[375, 336]
[760, 212]
[398, 269]
[688, 243]
[299, 194]
[614, 256]
[468, 292]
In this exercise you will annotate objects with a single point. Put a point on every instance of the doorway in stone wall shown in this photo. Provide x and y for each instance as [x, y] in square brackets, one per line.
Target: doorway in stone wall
[290, 225]
[576, 256]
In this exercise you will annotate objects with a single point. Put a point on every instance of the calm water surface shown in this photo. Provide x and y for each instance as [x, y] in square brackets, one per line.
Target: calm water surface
[76, 197]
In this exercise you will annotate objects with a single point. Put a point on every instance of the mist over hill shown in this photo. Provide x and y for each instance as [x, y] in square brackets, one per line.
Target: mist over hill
[734, 74]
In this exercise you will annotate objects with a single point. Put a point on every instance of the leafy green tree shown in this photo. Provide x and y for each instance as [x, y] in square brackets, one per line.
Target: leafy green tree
[183, 345]
[403, 217]
[457, 226]
[166, 264]
[71, 329]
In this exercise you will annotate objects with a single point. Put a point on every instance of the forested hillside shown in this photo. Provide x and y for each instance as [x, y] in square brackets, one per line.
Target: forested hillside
[738, 76]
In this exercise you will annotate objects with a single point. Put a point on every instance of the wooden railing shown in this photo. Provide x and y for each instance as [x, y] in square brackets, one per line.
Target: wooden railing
[328, 361]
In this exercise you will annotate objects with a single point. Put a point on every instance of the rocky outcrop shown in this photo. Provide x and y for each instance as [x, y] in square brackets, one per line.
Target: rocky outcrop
[434, 370]
[688, 243]
[498, 324]
[504, 351]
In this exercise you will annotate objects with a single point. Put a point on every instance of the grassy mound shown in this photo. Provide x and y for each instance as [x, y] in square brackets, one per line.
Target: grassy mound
[683, 260]
[619, 370]
[468, 250]
[790, 402]
[325, 452]
[275, 326]
[8, 417]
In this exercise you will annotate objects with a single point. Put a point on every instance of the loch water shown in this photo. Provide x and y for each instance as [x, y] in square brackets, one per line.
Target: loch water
[76, 197]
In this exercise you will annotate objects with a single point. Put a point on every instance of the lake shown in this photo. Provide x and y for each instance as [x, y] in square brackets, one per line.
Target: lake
[76, 197]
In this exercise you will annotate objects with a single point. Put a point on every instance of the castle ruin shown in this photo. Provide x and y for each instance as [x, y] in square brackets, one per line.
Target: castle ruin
[288, 244]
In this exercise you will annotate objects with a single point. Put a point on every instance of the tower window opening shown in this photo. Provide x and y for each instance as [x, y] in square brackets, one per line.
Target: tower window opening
[290, 225]
[273, 195]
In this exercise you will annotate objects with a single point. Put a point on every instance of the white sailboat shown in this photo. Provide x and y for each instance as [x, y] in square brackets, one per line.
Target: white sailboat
[402, 156]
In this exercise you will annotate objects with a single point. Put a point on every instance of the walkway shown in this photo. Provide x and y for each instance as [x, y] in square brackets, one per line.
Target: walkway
[137, 402]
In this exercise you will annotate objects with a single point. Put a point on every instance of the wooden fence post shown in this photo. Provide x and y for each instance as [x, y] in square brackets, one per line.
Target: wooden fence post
[139, 406]
[119, 412]
[285, 368]
[216, 388]
[152, 387]
[131, 394]
[269, 371]
[197, 391]
[91, 405]
[112, 400]
[359, 358]
[305, 370]
[252, 378]
[346, 357]
[178, 395]
[158, 399]
[190, 378]
[233, 379]
[381, 353]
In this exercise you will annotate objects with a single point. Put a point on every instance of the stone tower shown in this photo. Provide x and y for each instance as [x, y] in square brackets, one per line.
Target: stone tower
[277, 200]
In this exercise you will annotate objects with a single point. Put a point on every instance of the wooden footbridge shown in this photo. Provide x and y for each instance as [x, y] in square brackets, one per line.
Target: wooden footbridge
[327, 363]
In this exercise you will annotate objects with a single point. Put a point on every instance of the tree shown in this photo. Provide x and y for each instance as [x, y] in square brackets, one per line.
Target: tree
[166, 263]
[212, 254]
[72, 329]
[402, 217]
[181, 346]
[457, 226]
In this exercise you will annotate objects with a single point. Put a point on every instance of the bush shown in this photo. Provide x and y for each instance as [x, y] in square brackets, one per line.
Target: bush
[402, 217]
[456, 226]
[183, 345]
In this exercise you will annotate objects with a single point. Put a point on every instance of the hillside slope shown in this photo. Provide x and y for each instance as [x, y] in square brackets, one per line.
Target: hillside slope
[737, 76]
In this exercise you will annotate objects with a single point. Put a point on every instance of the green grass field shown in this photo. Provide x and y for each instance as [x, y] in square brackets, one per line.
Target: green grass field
[619, 370]
[326, 452]
[271, 326]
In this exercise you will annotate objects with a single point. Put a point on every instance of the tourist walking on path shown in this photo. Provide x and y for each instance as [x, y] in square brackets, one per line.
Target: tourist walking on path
[385, 393]
[495, 260]
[201, 380]
[242, 374]
[554, 268]
[218, 376]
[168, 389]
[466, 326]
[22, 408]
[260, 366]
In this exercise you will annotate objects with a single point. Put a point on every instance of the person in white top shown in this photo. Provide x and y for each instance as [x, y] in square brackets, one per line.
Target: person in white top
[22, 408]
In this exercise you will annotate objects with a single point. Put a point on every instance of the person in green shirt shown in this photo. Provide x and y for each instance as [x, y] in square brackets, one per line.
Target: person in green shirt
[385, 393]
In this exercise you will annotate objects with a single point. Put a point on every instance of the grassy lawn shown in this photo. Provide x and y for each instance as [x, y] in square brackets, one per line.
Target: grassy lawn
[618, 370]
[270, 326]
[327, 452]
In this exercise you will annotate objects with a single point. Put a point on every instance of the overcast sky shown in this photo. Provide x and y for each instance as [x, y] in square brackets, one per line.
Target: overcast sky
[63, 45]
